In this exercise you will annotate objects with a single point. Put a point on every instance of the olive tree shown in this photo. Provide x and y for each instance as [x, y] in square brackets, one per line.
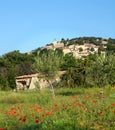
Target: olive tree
[48, 65]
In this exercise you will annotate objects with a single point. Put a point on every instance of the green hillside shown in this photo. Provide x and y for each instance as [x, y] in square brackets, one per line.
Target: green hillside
[89, 71]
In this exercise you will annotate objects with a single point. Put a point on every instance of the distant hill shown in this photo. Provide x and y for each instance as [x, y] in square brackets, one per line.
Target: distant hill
[71, 53]
[82, 46]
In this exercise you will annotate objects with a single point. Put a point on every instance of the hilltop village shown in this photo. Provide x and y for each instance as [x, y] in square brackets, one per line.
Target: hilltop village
[77, 49]
[19, 69]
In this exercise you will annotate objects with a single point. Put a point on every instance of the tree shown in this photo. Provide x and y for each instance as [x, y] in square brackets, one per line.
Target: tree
[97, 72]
[80, 49]
[110, 69]
[69, 61]
[59, 52]
[92, 49]
[11, 74]
[63, 41]
[111, 47]
[13, 64]
[48, 65]
[76, 72]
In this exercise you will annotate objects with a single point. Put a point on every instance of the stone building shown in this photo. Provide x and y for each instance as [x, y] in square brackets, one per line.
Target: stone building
[33, 81]
[26, 81]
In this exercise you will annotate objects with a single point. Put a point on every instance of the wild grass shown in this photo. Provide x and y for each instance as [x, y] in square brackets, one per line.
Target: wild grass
[72, 109]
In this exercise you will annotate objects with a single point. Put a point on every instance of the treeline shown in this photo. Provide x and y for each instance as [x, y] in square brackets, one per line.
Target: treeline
[13, 64]
[93, 70]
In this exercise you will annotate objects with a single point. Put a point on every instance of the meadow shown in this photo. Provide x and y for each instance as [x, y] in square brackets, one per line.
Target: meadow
[71, 109]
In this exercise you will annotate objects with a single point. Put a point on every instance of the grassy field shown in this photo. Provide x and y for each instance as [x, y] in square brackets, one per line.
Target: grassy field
[72, 109]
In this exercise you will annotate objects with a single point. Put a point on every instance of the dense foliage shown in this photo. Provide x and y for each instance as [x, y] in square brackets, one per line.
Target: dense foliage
[93, 70]
[13, 64]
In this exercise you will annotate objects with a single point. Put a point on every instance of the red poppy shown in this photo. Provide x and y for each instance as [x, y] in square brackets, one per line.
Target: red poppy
[37, 120]
[13, 109]
[69, 104]
[85, 109]
[23, 119]
[80, 105]
[38, 109]
[15, 113]
[2, 129]
[42, 115]
[64, 106]
[83, 103]
[19, 107]
[31, 106]
[48, 112]
[113, 105]
[113, 110]
[75, 102]
[33, 115]
[94, 101]
[100, 113]
[55, 105]
[8, 113]
[73, 96]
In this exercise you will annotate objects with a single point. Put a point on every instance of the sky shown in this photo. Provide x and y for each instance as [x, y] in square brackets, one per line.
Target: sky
[26, 25]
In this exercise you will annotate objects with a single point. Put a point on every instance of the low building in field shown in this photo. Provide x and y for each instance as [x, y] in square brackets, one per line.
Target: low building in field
[26, 81]
[33, 81]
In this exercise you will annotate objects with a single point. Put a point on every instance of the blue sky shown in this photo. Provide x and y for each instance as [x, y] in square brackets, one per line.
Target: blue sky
[28, 24]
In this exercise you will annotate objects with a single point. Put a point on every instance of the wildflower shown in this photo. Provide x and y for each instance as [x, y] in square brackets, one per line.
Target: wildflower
[69, 104]
[113, 110]
[15, 113]
[8, 113]
[74, 96]
[19, 107]
[83, 102]
[113, 105]
[33, 115]
[38, 109]
[48, 112]
[94, 101]
[80, 105]
[37, 120]
[42, 115]
[100, 113]
[55, 105]
[74, 103]
[13, 109]
[85, 109]
[2, 129]
[31, 107]
[64, 106]
[23, 119]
